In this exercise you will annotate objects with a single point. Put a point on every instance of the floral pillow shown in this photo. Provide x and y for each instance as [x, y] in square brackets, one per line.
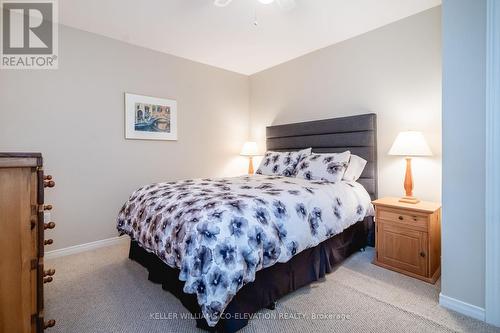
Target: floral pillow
[281, 163]
[329, 167]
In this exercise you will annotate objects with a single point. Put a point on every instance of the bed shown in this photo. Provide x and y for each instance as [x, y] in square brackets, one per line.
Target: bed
[222, 284]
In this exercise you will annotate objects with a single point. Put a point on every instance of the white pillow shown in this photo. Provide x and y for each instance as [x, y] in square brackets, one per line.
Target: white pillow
[277, 163]
[354, 168]
[329, 167]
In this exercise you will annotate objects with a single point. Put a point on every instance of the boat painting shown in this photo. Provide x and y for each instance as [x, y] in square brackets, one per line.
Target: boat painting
[150, 118]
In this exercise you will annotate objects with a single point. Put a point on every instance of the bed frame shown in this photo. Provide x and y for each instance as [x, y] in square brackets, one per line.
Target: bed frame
[357, 134]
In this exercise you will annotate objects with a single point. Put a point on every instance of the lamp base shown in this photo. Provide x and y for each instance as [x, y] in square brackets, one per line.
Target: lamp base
[250, 165]
[411, 200]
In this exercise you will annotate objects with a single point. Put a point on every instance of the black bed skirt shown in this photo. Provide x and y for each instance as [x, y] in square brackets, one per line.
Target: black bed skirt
[270, 283]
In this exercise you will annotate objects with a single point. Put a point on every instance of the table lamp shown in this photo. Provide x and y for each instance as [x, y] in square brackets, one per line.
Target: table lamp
[250, 150]
[410, 144]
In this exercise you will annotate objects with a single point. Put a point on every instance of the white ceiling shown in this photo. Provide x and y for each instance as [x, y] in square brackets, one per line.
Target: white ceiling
[226, 37]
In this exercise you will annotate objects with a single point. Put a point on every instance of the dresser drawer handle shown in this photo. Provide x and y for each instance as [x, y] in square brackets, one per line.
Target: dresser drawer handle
[49, 183]
[422, 254]
[49, 272]
[401, 218]
[50, 225]
[48, 279]
[49, 323]
[47, 177]
[48, 242]
[47, 207]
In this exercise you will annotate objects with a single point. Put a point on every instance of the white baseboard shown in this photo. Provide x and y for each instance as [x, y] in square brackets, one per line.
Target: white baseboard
[85, 247]
[461, 307]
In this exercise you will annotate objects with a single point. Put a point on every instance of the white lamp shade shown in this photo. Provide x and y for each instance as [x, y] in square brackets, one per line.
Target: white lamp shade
[249, 149]
[410, 143]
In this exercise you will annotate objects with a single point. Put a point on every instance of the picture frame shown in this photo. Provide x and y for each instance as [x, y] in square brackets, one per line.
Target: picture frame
[150, 118]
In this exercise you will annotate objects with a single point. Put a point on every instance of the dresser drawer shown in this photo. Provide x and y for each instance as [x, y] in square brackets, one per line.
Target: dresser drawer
[404, 217]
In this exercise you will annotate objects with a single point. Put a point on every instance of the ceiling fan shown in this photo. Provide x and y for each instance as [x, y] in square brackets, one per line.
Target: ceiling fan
[284, 4]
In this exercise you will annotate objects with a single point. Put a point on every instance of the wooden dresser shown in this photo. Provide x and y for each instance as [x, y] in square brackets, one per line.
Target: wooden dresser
[22, 242]
[408, 238]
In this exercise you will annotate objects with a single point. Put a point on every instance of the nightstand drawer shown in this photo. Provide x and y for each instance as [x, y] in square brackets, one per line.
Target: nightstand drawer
[403, 217]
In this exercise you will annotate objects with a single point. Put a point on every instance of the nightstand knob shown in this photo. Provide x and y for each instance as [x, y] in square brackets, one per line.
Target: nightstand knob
[422, 254]
[400, 218]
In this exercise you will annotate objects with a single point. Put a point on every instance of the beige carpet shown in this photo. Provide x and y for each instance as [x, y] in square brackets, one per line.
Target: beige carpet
[103, 291]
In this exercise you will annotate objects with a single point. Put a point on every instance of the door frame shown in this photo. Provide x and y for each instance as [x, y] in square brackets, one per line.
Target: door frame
[492, 235]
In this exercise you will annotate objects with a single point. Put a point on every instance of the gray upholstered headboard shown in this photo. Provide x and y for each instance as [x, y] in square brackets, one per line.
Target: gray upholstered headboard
[355, 133]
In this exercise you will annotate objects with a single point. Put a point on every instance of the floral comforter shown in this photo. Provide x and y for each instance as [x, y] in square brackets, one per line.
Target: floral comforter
[220, 232]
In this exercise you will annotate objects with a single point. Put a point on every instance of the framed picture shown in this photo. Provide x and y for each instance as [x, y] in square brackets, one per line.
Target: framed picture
[150, 118]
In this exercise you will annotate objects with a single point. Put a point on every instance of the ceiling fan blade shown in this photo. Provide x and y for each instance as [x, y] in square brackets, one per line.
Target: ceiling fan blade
[286, 4]
[222, 3]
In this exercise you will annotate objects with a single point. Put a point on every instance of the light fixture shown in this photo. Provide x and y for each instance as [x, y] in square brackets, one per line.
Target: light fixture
[409, 144]
[249, 149]
[283, 4]
[222, 3]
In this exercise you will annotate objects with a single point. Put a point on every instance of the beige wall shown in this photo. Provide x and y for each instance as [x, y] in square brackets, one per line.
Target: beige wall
[394, 71]
[75, 117]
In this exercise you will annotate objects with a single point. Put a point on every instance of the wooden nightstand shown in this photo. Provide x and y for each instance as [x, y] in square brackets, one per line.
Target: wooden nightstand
[408, 238]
